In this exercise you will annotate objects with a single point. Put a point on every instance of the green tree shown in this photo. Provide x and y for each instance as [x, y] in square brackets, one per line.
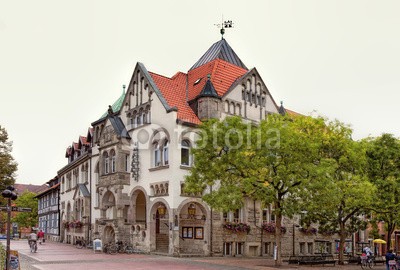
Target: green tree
[27, 219]
[339, 192]
[269, 162]
[383, 155]
[8, 166]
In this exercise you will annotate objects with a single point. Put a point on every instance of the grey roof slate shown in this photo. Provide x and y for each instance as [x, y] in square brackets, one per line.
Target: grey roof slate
[220, 50]
[119, 126]
[208, 90]
[84, 190]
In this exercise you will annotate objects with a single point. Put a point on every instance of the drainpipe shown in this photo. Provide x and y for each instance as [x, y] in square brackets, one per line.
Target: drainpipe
[211, 230]
[90, 201]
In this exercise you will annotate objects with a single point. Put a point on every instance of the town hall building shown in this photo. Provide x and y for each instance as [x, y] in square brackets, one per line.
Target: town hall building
[124, 180]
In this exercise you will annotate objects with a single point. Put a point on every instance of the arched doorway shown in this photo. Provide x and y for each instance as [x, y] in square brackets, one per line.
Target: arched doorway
[161, 228]
[108, 203]
[109, 235]
[193, 228]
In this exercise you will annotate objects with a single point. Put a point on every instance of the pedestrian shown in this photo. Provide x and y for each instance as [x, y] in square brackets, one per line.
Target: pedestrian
[389, 257]
[40, 236]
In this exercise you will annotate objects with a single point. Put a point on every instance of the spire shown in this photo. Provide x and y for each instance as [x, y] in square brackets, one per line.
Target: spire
[208, 89]
[282, 109]
[220, 50]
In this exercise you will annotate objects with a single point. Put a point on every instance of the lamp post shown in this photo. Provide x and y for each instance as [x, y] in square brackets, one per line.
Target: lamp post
[10, 195]
[294, 246]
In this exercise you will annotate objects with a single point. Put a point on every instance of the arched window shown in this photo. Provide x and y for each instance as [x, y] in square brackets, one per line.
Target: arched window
[112, 160]
[105, 163]
[144, 118]
[165, 153]
[156, 154]
[185, 153]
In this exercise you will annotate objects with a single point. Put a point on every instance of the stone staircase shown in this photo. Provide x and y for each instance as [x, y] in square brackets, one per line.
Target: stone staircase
[162, 243]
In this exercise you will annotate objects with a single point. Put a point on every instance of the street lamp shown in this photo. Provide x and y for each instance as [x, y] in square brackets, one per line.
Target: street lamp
[10, 195]
[294, 227]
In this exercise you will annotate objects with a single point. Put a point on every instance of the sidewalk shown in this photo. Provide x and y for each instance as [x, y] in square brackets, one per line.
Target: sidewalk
[57, 256]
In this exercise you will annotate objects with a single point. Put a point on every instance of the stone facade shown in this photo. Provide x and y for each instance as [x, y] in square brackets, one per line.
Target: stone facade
[125, 180]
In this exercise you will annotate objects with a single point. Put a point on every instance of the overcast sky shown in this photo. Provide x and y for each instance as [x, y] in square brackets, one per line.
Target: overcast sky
[63, 62]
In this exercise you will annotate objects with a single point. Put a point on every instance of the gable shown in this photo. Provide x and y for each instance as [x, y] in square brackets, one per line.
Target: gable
[253, 90]
[140, 89]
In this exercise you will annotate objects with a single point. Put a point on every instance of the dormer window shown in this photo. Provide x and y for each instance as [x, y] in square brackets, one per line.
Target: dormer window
[197, 81]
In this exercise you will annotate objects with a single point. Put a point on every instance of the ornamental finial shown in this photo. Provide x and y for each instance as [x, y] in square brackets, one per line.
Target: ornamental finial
[223, 25]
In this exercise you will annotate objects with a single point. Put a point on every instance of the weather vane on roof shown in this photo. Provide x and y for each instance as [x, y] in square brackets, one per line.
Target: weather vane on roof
[223, 25]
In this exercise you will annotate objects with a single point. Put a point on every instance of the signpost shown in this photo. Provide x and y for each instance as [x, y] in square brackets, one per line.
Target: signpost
[15, 209]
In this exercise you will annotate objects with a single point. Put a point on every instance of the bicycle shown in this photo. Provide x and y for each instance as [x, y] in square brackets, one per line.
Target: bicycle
[33, 246]
[110, 248]
[367, 262]
[80, 243]
[393, 265]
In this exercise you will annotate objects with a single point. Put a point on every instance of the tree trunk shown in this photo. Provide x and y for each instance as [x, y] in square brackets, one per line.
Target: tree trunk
[342, 235]
[278, 235]
[390, 231]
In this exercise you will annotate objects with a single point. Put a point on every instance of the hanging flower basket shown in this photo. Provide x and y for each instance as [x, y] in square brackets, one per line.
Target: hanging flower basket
[308, 230]
[237, 227]
[270, 227]
[66, 224]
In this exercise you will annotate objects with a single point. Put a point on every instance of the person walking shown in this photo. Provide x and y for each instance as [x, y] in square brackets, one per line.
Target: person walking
[40, 236]
[389, 257]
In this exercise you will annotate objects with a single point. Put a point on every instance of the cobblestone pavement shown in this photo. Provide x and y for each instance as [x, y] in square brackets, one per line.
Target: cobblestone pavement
[57, 256]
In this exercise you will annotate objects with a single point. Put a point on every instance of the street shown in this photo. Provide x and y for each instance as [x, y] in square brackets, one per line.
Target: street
[57, 256]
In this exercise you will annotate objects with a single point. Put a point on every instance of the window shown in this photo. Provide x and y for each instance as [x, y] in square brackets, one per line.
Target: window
[237, 215]
[144, 118]
[126, 162]
[112, 158]
[156, 153]
[105, 160]
[239, 248]
[267, 214]
[233, 216]
[185, 153]
[165, 153]
[227, 248]
[310, 248]
[302, 248]
[138, 121]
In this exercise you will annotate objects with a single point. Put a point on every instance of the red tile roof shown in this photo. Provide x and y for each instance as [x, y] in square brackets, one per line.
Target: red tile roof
[75, 146]
[83, 140]
[21, 188]
[174, 91]
[68, 151]
[223, 75]
[292, 113]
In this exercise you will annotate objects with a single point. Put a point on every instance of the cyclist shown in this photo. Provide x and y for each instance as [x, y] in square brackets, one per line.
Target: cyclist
[368, 252]
[389, 257]
[32, 239]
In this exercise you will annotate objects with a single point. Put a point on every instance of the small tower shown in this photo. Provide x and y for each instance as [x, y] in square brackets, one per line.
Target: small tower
[207, 103]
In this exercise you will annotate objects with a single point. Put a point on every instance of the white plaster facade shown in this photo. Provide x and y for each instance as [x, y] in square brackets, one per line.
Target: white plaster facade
[138, 157]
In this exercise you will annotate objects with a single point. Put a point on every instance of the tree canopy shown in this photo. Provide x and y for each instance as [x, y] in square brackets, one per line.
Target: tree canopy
[271, 162]
[383, 156]
[8, 166]
[340, 192]
[27, 219]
